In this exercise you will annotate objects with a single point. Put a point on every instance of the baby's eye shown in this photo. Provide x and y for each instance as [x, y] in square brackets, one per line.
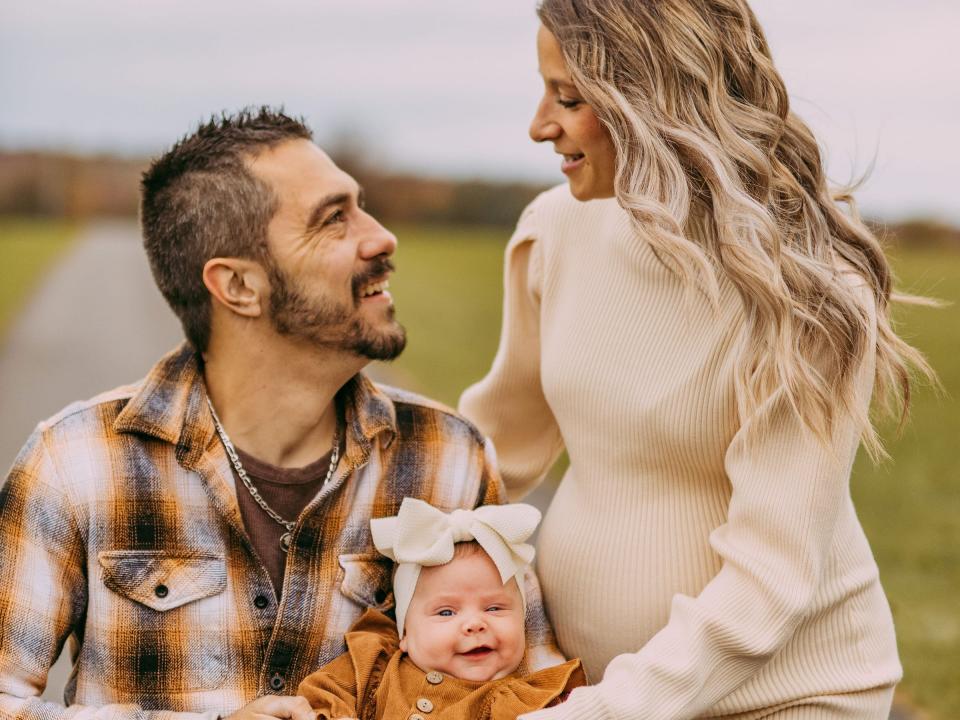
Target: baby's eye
[445, 613]
[494, 608]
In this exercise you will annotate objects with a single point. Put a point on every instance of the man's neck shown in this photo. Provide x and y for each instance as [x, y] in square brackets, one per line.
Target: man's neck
[278, 403]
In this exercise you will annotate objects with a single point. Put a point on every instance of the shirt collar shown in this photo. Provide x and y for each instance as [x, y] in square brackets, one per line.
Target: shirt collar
[171, 405]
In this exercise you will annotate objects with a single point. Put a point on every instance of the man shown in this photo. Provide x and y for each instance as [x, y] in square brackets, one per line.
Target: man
[202, 538]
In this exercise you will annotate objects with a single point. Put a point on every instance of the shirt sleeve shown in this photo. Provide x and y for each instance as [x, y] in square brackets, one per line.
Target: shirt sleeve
[43, 594]
[788, 489]
[334, 690]
[508, 404]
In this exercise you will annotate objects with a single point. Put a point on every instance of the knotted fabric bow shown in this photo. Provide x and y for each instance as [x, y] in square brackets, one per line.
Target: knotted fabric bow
[420, 535]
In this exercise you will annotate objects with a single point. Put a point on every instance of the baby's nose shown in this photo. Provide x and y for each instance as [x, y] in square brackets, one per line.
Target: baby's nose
[474, 625]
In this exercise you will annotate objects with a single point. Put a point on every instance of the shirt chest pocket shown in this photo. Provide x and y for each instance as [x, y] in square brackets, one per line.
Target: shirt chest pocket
[169, 611]
[366, 580]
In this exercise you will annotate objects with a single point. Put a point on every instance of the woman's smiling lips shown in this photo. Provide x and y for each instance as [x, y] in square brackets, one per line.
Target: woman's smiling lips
[571, 162]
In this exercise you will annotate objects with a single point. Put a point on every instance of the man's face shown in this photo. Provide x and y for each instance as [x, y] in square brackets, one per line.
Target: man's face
[463, 621]
[329, 259]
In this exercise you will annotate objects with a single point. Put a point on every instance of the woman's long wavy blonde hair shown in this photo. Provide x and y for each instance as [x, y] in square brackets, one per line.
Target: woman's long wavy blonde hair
[722, 177]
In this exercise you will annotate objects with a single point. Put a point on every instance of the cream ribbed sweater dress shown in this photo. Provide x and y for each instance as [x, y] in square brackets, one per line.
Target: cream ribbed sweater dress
[698, 563]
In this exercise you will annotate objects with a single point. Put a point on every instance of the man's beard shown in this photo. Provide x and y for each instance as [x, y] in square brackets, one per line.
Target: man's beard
[329, 324]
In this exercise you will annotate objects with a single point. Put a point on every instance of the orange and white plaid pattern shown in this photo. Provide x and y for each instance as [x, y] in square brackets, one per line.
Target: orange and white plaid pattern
[120, 533]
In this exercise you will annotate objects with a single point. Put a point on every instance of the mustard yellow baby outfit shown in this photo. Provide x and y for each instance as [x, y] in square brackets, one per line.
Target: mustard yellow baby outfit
[375, 680]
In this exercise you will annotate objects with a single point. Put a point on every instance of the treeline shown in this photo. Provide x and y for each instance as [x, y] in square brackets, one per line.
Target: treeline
[73, 186]
[78, 187]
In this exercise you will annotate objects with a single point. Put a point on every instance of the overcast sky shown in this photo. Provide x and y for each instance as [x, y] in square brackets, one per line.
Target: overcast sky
[447, 87]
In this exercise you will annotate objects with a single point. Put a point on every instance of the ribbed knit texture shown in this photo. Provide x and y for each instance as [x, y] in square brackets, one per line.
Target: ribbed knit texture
[697, 562]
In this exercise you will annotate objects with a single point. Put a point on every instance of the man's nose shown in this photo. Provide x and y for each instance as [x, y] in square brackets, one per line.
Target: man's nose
[542, 126]
[377, 239]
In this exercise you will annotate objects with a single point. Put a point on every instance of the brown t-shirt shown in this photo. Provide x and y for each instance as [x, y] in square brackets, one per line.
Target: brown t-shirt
[288, 491]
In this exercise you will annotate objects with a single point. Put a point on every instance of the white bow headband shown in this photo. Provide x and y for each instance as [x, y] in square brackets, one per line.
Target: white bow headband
[420, 535]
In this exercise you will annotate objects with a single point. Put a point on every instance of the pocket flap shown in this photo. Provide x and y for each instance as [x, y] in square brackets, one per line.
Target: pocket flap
[367, 580]
[162, 581]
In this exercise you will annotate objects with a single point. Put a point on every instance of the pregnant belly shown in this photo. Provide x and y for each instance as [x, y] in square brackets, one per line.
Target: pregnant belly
[610, 566]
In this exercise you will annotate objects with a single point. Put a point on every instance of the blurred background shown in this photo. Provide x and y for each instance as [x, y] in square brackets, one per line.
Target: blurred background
[427, 103]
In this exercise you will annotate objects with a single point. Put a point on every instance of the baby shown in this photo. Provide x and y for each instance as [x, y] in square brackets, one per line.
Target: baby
[459, 638]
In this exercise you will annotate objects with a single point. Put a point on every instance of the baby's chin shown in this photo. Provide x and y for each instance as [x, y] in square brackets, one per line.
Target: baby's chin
[483, 674]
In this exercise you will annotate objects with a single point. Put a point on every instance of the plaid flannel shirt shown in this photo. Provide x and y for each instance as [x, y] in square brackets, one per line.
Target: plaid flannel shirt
[120, 531]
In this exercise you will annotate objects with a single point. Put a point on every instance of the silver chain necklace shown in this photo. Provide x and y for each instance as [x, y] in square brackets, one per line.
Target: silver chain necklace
[287, 537]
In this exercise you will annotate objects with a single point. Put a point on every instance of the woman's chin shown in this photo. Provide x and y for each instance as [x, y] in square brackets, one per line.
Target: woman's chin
[588, 191]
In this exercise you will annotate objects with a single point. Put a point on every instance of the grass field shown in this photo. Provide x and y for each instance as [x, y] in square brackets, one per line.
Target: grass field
[27, 247]
[910, 506]
[448, 290]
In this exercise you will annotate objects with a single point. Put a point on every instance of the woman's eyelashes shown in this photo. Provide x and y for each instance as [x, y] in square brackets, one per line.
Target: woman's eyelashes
[568, 104]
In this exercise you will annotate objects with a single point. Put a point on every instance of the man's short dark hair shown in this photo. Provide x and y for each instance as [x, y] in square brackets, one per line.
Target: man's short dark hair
[199, 201]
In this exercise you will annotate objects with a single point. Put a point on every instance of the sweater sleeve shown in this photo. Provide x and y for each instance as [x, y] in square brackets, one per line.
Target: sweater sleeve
[509, 404]
[788, 489]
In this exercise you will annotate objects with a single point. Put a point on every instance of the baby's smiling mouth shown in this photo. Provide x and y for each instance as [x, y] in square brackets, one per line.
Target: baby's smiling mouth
[478, 652]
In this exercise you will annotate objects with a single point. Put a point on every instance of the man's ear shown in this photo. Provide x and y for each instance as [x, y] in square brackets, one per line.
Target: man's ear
[238, 285]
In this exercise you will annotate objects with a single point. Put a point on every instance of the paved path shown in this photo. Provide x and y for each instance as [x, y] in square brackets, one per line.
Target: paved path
[96, 322]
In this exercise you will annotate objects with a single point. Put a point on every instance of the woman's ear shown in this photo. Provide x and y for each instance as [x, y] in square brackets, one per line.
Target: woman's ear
[238, 285]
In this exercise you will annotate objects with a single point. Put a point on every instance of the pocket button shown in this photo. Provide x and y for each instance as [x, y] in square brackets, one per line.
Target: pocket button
[161, 591]
[261, 601]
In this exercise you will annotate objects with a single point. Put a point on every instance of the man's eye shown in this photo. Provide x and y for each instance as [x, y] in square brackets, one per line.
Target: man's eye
[335, 217]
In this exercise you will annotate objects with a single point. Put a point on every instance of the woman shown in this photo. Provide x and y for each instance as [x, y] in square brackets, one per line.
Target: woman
[699, 324]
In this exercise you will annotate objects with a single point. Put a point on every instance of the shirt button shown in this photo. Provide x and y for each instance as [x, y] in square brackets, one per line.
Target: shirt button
[261, 601]
[424, 705]
[434, 678]
[161, 591]
[277, 682]
[416, 716]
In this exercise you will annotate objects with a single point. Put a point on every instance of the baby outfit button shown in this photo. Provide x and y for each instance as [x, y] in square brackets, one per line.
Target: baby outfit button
[434, 678]
[416, 716]
[424, 705]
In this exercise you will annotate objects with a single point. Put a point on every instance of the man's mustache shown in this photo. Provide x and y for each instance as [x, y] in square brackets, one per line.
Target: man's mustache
[378, 267]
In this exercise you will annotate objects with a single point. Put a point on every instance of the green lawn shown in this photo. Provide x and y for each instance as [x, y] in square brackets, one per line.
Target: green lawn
[910, 506]
[27, 247]
[448, 291]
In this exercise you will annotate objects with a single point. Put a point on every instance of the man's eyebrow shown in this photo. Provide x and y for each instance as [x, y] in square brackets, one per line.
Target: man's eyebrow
[339, 198]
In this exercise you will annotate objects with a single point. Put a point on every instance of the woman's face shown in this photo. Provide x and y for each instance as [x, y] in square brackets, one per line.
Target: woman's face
[563, 118]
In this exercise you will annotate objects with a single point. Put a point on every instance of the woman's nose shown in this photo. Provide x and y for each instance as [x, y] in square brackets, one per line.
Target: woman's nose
[542, 127]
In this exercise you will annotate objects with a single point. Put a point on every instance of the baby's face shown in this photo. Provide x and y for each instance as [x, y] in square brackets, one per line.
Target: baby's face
[463, 621]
